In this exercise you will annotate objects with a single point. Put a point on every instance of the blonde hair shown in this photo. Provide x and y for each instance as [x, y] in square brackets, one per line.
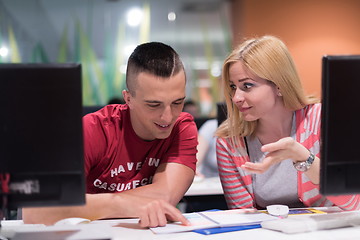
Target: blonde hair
[268, 58]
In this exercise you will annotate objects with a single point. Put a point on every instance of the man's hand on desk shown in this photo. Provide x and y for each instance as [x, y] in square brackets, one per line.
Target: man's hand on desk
[155, 203]
[158, 212]
[153, 212]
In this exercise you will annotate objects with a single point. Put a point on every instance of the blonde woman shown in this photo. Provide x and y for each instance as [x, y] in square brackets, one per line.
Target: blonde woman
[268, 149]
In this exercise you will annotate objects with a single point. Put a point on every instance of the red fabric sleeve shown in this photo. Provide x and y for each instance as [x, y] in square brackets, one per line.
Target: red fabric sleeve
[184, 142]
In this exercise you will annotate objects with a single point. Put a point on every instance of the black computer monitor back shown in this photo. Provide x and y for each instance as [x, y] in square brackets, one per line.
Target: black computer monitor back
[41, 143]
[340, 158]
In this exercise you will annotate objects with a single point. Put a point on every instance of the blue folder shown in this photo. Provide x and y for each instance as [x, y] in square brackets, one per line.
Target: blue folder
[209, 231]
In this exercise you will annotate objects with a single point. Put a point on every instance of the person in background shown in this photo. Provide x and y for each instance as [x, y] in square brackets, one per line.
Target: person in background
[206, 155]
[191, 107]
[116, 100]
[268, 149]
[140, 157]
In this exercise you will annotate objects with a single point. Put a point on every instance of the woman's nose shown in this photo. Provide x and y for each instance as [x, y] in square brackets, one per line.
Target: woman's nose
[238, 96]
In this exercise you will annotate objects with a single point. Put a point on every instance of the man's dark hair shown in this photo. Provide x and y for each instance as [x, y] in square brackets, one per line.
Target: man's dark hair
[155, 58]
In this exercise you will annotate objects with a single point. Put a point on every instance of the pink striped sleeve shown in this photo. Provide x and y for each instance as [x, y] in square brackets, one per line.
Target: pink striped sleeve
[234, 181]
[346, 202]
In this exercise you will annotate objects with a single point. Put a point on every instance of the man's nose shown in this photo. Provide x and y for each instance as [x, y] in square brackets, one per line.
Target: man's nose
[167, 114]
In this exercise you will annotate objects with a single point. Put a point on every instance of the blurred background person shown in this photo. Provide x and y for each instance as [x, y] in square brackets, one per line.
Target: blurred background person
[116, 100]
[191, 107]
[206, 165]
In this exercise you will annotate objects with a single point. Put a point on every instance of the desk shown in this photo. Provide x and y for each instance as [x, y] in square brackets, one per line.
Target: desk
[120, 232]
[121, 229]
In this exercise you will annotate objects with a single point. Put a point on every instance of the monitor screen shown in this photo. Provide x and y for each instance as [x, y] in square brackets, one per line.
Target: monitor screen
[340, 131]
[41, 141]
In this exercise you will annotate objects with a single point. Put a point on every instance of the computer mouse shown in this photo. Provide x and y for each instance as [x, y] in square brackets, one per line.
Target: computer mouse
[278, 210]
[72, 221]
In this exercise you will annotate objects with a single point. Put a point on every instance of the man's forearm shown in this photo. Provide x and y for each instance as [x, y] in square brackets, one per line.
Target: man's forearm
[151, 191]
[97, 206]
[170, 183]
[167, 188]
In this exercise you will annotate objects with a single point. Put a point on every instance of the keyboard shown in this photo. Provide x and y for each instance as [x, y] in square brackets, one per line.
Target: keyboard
[308, 223]
[22, 231]
[9, 229]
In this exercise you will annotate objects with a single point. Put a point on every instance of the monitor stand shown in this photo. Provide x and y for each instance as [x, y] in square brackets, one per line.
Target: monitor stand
[3, 212]
[4, 191]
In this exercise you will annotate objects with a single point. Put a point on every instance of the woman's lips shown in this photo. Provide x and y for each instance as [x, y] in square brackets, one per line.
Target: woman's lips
[244, 109]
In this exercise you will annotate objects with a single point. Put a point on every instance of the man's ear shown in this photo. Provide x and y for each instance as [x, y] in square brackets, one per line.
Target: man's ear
[127, 96]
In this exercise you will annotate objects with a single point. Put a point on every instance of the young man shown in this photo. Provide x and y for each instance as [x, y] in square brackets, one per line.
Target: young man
[140, 157]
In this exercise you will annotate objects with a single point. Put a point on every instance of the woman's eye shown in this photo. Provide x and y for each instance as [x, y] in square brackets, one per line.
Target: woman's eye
[248, 85]
[232, 86]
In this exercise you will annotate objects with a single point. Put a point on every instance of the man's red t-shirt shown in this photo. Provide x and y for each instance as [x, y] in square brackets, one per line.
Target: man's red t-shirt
[116, 159]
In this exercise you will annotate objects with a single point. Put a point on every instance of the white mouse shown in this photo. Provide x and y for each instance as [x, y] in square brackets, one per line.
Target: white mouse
[72, 221]
[278, 210]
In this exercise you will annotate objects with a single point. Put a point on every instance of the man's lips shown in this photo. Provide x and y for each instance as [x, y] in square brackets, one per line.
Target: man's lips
[163, 126]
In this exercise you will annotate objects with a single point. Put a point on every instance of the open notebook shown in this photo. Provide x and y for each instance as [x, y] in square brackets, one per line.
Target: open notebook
[215, 219]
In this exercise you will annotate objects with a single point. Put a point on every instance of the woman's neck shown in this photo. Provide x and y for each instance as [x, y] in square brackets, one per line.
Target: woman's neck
[272, 129]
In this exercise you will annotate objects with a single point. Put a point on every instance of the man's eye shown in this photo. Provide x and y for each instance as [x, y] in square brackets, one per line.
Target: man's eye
[153, 105]
[178, 103]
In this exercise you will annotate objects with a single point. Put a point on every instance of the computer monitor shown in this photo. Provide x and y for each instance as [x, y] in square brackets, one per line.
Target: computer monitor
[340, 131]
[41, 141]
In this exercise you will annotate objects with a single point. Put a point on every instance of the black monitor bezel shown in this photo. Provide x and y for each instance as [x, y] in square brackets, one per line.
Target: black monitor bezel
[65, 185]
[340, 163]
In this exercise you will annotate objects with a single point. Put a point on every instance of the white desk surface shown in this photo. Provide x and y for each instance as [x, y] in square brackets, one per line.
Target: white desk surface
[128, 229]
[205, 186]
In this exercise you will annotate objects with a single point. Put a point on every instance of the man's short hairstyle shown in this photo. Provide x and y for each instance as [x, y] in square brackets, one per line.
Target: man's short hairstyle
[155, 58]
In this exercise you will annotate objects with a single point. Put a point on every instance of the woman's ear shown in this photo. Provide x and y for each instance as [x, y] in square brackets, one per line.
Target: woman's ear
[278, 92]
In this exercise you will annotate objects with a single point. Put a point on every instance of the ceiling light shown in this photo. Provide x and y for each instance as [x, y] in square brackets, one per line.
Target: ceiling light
[4, 51]
[171, 16]
[134, 17]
